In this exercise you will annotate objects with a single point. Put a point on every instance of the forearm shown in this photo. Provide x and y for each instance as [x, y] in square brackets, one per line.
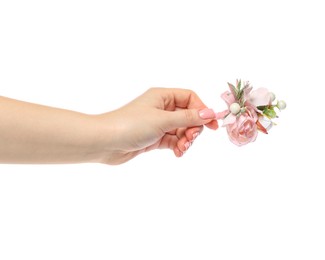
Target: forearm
[31, 133]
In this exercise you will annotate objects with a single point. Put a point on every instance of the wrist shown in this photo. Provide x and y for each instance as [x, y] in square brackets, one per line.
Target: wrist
[101, 149]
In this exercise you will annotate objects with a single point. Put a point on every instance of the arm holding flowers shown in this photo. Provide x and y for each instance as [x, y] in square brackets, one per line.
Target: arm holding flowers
[159, 118]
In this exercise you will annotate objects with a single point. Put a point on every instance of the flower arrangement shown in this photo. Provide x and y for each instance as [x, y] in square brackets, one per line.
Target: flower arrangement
[249, 111]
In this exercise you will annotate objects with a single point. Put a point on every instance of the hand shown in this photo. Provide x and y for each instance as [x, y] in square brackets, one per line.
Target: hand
[160, 118]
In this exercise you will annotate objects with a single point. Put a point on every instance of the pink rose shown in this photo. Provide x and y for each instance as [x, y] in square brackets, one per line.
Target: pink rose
[243, 129]
[243, 126]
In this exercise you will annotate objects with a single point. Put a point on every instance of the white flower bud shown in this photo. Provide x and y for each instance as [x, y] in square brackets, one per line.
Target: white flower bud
[234, 108]
[272, 96]
[281, 105]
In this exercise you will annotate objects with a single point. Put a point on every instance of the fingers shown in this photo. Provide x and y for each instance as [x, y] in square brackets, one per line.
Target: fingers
[181, 107]
[181, 114]
[181, 140]
[213, 125]
[188, 118]
[173, 98]
[186, 141]
[185, 98]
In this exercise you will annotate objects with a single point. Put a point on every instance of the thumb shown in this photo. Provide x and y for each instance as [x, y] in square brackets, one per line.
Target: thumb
[188, 118]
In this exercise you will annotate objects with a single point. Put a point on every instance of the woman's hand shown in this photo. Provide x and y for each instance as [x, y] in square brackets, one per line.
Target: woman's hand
[160, 118]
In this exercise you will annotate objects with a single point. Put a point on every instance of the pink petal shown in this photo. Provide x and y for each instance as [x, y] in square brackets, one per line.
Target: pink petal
[247, 91]
[230, 119]
[228, 97]
[241, 120]
[260, 97]
[251, 110]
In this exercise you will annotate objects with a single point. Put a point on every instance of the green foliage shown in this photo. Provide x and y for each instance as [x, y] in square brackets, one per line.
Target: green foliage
[269, 112]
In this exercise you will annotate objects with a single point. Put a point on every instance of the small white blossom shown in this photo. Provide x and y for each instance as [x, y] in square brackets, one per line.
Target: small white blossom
[281, 105]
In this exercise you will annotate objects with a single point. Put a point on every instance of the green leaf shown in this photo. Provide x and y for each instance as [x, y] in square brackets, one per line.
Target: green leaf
[262, 108]
[240, 95]
[233, 89]
[269, 112]
[239, 85]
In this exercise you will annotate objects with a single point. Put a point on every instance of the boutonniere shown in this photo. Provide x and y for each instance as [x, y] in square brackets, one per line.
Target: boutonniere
[248, 112]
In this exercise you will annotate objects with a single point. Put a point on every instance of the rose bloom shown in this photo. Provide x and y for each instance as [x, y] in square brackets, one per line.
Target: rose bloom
[244, 129]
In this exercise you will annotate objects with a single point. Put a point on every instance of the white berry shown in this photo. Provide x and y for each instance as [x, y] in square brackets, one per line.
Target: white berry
[281, 105]
[234, 108]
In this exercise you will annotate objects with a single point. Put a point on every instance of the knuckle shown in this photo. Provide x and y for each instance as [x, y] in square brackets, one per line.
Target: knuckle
[189, 115]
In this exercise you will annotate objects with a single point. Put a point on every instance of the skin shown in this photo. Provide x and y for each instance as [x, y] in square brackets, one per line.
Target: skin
[160, 118]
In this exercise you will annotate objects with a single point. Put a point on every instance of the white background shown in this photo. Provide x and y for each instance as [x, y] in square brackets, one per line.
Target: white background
[262, 201]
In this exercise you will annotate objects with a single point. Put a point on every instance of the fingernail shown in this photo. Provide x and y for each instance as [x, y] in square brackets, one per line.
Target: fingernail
[187, 145]
[207, 113]
[178, 152]
[195, 135]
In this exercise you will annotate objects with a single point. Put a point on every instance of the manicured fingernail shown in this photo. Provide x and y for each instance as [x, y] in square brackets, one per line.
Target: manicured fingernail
[195, 135]
[187, 145]
[178, 152]
[207, 113]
